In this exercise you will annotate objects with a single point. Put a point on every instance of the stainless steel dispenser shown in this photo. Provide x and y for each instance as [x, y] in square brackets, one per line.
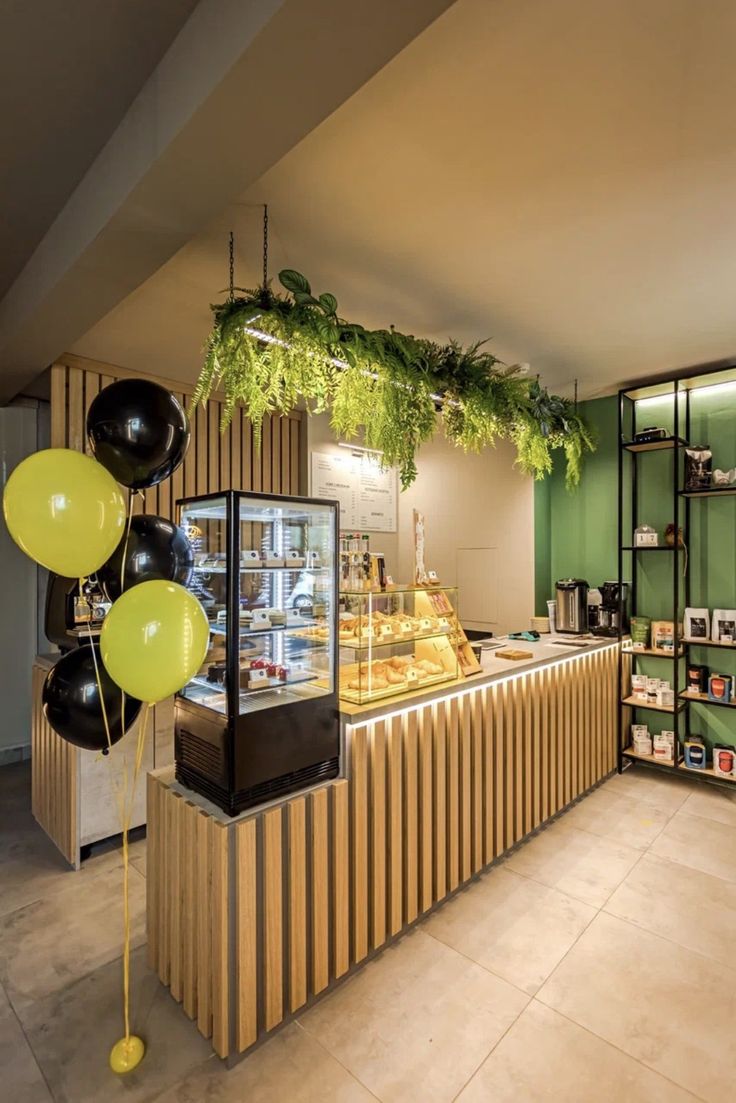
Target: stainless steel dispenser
[572, 605]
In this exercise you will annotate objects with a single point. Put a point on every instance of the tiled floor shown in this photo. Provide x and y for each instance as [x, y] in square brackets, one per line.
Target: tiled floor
[597, 963]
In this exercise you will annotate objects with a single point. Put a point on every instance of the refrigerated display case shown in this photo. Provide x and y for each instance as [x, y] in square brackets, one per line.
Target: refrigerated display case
[260, 718]
[397, 640]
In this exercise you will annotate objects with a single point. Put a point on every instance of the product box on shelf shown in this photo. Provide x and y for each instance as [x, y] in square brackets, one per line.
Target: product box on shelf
[724, 760]
[696, 757]
[663, 746]
[641, 741]
[697, 678]
[720, 688]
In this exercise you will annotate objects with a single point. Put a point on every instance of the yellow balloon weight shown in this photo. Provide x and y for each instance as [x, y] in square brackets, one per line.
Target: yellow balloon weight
[154, 639]
[64, 510]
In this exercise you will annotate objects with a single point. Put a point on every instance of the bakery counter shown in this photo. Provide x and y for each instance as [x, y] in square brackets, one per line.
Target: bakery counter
[547, 651]
[251, 919]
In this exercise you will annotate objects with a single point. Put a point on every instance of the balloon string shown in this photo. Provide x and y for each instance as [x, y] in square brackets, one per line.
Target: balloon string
[129, 799]
[127, 537]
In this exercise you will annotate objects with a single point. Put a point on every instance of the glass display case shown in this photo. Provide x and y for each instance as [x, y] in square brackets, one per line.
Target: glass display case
[260, 718]
[398, 640]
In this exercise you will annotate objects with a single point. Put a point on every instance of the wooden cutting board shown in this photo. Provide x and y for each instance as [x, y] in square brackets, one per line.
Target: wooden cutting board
[513, 653]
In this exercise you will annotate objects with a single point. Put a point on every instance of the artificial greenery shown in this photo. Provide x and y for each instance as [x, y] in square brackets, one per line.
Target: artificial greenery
[269, 351]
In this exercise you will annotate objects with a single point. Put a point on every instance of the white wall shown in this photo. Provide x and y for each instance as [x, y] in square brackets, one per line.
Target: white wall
[18, 626]
[479, 524]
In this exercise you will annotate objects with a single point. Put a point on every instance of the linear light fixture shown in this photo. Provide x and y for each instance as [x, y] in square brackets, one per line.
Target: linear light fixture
[269, 339]
[359, 448]
[710, 388]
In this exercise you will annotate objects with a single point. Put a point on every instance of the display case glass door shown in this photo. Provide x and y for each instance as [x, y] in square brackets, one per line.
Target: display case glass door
[287, 585]
[205, 524]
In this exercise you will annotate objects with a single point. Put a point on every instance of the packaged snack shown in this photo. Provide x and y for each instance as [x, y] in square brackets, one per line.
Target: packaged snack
[640, 632]
[638, 685]
[663, 635]
[697, 624]
[723, 625]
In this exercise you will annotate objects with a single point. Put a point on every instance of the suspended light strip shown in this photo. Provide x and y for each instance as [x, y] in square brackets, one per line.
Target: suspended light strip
[269, 339]
[359, 448]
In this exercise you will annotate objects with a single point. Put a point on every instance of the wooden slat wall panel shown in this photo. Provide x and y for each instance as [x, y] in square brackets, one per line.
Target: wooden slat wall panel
[340, 880]
[247, 935]
[54, 790]
[297, 865]
[378, 807]
[435, 794]
[426, 824]
[214, 461]
[320, 889]
[220, 940]
[273, 919]
[359, 847]
[395, 826]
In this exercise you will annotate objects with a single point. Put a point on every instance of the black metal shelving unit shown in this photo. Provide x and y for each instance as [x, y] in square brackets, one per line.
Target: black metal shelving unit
[628, 501]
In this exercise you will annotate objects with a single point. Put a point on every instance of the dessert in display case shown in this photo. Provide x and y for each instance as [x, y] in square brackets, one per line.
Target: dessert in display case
[398, 640]
[260, 718]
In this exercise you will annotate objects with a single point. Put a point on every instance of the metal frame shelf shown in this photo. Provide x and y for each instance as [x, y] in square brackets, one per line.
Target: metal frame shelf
[631, 471]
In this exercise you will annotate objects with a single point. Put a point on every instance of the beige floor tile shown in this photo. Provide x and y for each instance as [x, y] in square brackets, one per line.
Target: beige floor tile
[60, 938]
[574, 862]
[659, 790]
[292, 1067]
[664, 1005]
[22, 1080]
[692, 908]
[72, 1032]
[699, 843]
[415, 1023]
[545, 1058]
[712, 804]
[515, 927]
[623, 819]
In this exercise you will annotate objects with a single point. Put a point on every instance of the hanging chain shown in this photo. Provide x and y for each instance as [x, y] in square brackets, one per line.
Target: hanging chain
[265, 244]
[232, 266]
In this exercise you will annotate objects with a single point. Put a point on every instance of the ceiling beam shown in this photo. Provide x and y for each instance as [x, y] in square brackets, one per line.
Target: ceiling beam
[241, 85]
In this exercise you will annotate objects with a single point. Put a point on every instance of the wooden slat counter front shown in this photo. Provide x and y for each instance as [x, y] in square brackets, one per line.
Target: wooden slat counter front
[250, 919]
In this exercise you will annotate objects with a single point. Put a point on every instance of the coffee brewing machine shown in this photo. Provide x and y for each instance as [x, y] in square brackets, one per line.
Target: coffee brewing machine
[613, 618]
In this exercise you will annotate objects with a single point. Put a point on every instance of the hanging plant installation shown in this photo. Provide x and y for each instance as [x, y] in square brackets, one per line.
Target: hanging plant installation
[268, 351]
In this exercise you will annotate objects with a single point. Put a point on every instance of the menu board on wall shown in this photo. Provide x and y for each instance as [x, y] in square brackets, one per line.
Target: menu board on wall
[366, 492]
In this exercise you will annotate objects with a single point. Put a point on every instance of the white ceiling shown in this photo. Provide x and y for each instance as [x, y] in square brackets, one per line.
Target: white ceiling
[557, 175]
[68, 73]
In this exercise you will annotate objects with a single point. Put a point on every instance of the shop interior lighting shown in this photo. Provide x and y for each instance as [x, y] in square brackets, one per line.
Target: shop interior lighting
[359, 448]
[269, 339]
[709, 388]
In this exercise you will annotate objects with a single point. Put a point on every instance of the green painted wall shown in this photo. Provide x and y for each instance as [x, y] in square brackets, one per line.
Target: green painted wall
[576, 533]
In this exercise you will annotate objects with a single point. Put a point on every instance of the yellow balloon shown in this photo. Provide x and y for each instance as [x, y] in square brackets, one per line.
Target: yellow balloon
[154, 640]
[64, 510]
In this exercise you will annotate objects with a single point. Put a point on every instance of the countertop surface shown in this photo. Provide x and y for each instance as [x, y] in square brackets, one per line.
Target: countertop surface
[547, 651]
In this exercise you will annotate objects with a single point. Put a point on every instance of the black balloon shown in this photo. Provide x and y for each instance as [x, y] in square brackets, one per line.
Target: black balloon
[138, 431]
[71, 701]
[156, 548]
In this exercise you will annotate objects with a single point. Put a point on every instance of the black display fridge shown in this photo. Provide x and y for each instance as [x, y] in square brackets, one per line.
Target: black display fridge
[260, 719]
